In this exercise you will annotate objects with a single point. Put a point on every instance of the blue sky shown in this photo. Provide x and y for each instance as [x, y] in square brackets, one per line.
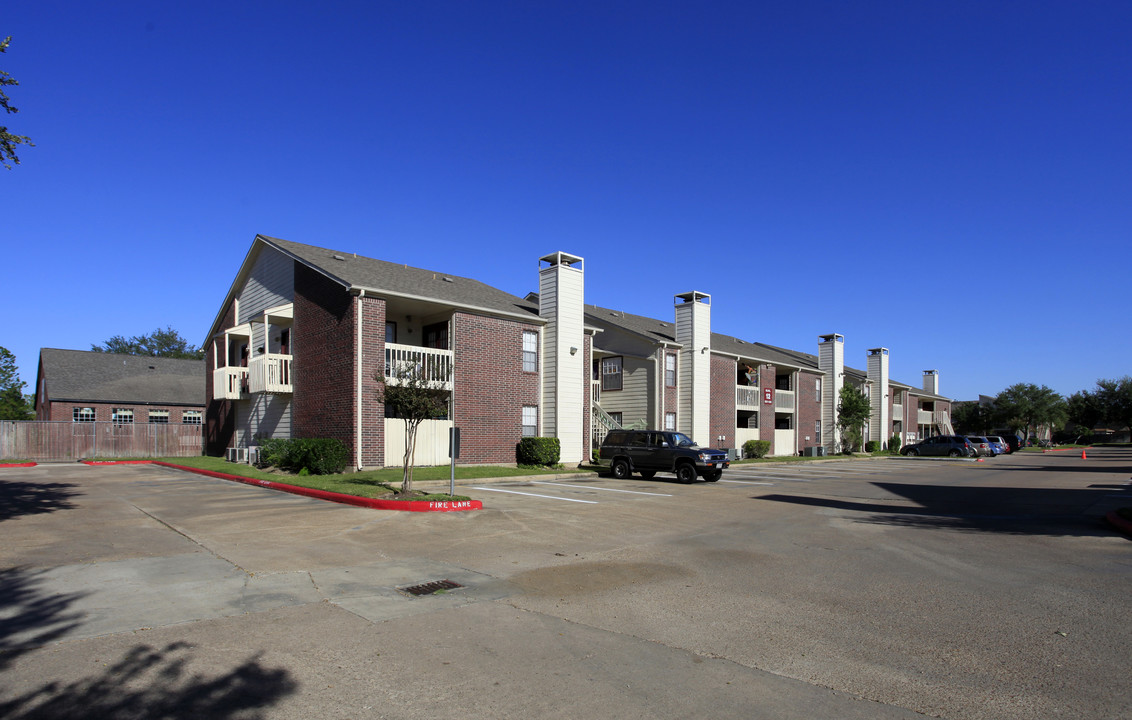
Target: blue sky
[948, 180]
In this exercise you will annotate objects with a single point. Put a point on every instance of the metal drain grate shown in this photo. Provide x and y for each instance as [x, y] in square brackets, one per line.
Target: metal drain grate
[431, 587]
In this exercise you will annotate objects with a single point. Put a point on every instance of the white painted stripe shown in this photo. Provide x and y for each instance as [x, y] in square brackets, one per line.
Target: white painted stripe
[782, 478]
[588, 487]
[747, 482]
[548, 497]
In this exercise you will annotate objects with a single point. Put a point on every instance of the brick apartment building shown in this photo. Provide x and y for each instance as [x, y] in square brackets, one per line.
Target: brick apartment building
[298, 341]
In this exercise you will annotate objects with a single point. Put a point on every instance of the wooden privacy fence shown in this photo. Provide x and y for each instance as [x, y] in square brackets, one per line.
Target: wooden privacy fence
[79, 440]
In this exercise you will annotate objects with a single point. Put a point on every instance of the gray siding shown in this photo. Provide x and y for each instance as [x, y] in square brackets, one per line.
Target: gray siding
[635, 401]
[262, 414]
[271, 283]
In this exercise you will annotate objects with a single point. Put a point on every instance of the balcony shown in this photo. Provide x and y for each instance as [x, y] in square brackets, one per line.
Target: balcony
[746, 397]
[595, 392]
[434, 365]
[228, 383]
[270, 373]
[897, 412]
[924, 417]
[784, 401]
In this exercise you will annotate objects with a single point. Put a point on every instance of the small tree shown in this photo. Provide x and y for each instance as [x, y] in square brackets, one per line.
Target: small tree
[853, 412]
[414, 394]
[1084, 410]
[1115, 401]
[13, 402]
[9, 141]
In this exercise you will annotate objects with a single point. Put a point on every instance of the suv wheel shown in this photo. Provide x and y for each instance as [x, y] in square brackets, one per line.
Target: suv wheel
[686, 474]
[620, 469]
[713, 476]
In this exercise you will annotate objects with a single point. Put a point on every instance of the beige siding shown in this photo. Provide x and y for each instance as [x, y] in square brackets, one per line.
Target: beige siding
[635, 400]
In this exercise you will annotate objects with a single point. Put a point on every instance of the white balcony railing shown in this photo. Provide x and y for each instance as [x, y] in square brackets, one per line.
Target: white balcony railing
[784, 400]
[270, 373]
[924, 417]
[746, 397]
[228, 383]
[897, 412]
[595, 392]
[434, 365]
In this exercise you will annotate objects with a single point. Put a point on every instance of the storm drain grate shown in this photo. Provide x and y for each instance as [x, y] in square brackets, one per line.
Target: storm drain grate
[431, 587]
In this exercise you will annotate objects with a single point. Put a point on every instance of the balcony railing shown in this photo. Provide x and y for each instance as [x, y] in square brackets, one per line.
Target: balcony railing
[433, 365]
[897, 412]
[924, 417]
[784, 400]
[229, 383]
[270, 373]
[595, 392]
[746, 397]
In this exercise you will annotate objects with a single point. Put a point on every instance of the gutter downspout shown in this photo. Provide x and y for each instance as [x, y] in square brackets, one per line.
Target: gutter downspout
[358, 384]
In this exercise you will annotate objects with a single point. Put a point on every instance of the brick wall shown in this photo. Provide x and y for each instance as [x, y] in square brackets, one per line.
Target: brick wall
[62, 411]
[490, 386]
[809, 409]
[766, 412]
[722, 418]
[323, 337]
[373, 314]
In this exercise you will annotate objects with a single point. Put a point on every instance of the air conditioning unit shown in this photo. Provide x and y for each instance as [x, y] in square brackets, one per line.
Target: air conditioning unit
[237, 455]
[813, 451]
[253, 455]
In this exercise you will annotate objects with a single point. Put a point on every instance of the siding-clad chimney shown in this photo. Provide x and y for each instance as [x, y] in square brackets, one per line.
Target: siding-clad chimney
[931, 381]
[877, 370]
[693, 331]
[831, 361]
[561, 299]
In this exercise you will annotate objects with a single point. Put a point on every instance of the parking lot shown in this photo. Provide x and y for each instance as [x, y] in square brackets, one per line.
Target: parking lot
[874, 588]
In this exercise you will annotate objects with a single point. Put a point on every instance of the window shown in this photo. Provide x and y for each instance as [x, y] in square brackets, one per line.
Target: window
[670, 370]
[122, 415]
[530, 420]
[530, 351]
[611, 373]
[82, 414]
[817, 432]
[670, 421]
[390, 332]
[436, 336]
[192, 417]
[817, 389]
[158, 416]
[616, 417]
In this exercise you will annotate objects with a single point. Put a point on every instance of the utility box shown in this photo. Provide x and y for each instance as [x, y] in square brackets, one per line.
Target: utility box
[813, 451]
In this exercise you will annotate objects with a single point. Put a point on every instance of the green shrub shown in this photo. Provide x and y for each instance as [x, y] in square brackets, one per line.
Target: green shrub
[317, 456]
[756, 448]
[872, 446]
[546, 451]
[894, 444]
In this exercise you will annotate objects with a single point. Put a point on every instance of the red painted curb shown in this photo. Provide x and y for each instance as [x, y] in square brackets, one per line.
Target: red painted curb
[373, 503]
[1119, 523]
[4, 465]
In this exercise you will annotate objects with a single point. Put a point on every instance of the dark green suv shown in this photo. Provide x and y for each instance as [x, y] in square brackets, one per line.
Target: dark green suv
[648, 452]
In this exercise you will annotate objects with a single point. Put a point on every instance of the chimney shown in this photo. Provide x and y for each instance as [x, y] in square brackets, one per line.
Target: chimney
[563, 364]
[693, 331]
[931, 381]
[877, 369]
[831, 361]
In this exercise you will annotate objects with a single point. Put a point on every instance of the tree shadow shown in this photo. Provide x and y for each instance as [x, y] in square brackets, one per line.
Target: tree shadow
[149, 682]
[1008, 510]
[30, 498]
[30, 616]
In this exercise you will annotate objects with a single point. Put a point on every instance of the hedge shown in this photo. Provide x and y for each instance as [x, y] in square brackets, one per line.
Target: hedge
[756, 448]
[546, 451]
[318, 456]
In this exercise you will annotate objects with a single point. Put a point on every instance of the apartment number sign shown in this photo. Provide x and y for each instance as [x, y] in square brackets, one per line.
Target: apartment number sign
[768, 396]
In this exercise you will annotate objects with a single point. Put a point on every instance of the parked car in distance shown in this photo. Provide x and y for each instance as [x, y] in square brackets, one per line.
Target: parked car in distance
[982, 445]
[648, 452]
[998, 445]
[941, 445]
[1013, 442]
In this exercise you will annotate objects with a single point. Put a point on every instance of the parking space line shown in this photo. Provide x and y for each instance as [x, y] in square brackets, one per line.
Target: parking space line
[747, 482]
[590, 487]
[787, 478]
[548, 497]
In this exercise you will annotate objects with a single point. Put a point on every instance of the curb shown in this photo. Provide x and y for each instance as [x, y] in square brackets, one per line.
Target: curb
[1114, 519]
[372, 503]
[6, 465]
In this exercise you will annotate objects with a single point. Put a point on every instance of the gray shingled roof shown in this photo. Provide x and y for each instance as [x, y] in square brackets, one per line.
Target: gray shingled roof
[85, 376]
[357, 271]
[655, 330]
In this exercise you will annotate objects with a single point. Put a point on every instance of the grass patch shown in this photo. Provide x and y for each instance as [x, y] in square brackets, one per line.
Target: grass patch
[382, 483]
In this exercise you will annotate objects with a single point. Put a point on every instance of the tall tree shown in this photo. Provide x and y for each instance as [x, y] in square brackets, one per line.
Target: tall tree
[1115, 400]
[1028, 406]
[160, 343]
[971, 417]
[853, 412]
[13, 403]
[1084, 410]
[414, 392]
[9, 141]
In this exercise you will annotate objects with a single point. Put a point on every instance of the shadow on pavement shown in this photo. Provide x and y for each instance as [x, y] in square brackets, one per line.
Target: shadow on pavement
[29, 616]
[29, 498]
[148, 682]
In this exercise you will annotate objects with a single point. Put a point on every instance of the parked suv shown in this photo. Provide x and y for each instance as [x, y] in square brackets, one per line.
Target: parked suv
[647, 452]
[949, 445]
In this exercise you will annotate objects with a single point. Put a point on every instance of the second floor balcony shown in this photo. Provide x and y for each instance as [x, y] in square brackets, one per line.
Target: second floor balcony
[747, 397]
[229, 383]
[270, 373]
[432, 364]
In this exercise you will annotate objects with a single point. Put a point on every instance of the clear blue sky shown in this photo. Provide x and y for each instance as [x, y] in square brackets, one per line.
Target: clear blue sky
[948, 180]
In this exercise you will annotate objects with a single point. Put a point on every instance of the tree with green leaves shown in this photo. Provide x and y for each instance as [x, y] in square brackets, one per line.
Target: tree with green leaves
[414, 392]
[1083, 409]
[1115, 401]
[13, 402]
[853, 412]
[9, 141]
[1029, 407]
[972, 417]
[160, 343]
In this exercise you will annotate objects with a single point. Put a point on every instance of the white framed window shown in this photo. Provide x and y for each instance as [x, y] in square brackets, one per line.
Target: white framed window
[611, 373]
[817, 432]
[670, 370]
[530, 420]
[158, 416]
[817, 389]
[616, 417]
[192, 417]
[670, 421]
[122, 415]
[82, 414]
[530, 351]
